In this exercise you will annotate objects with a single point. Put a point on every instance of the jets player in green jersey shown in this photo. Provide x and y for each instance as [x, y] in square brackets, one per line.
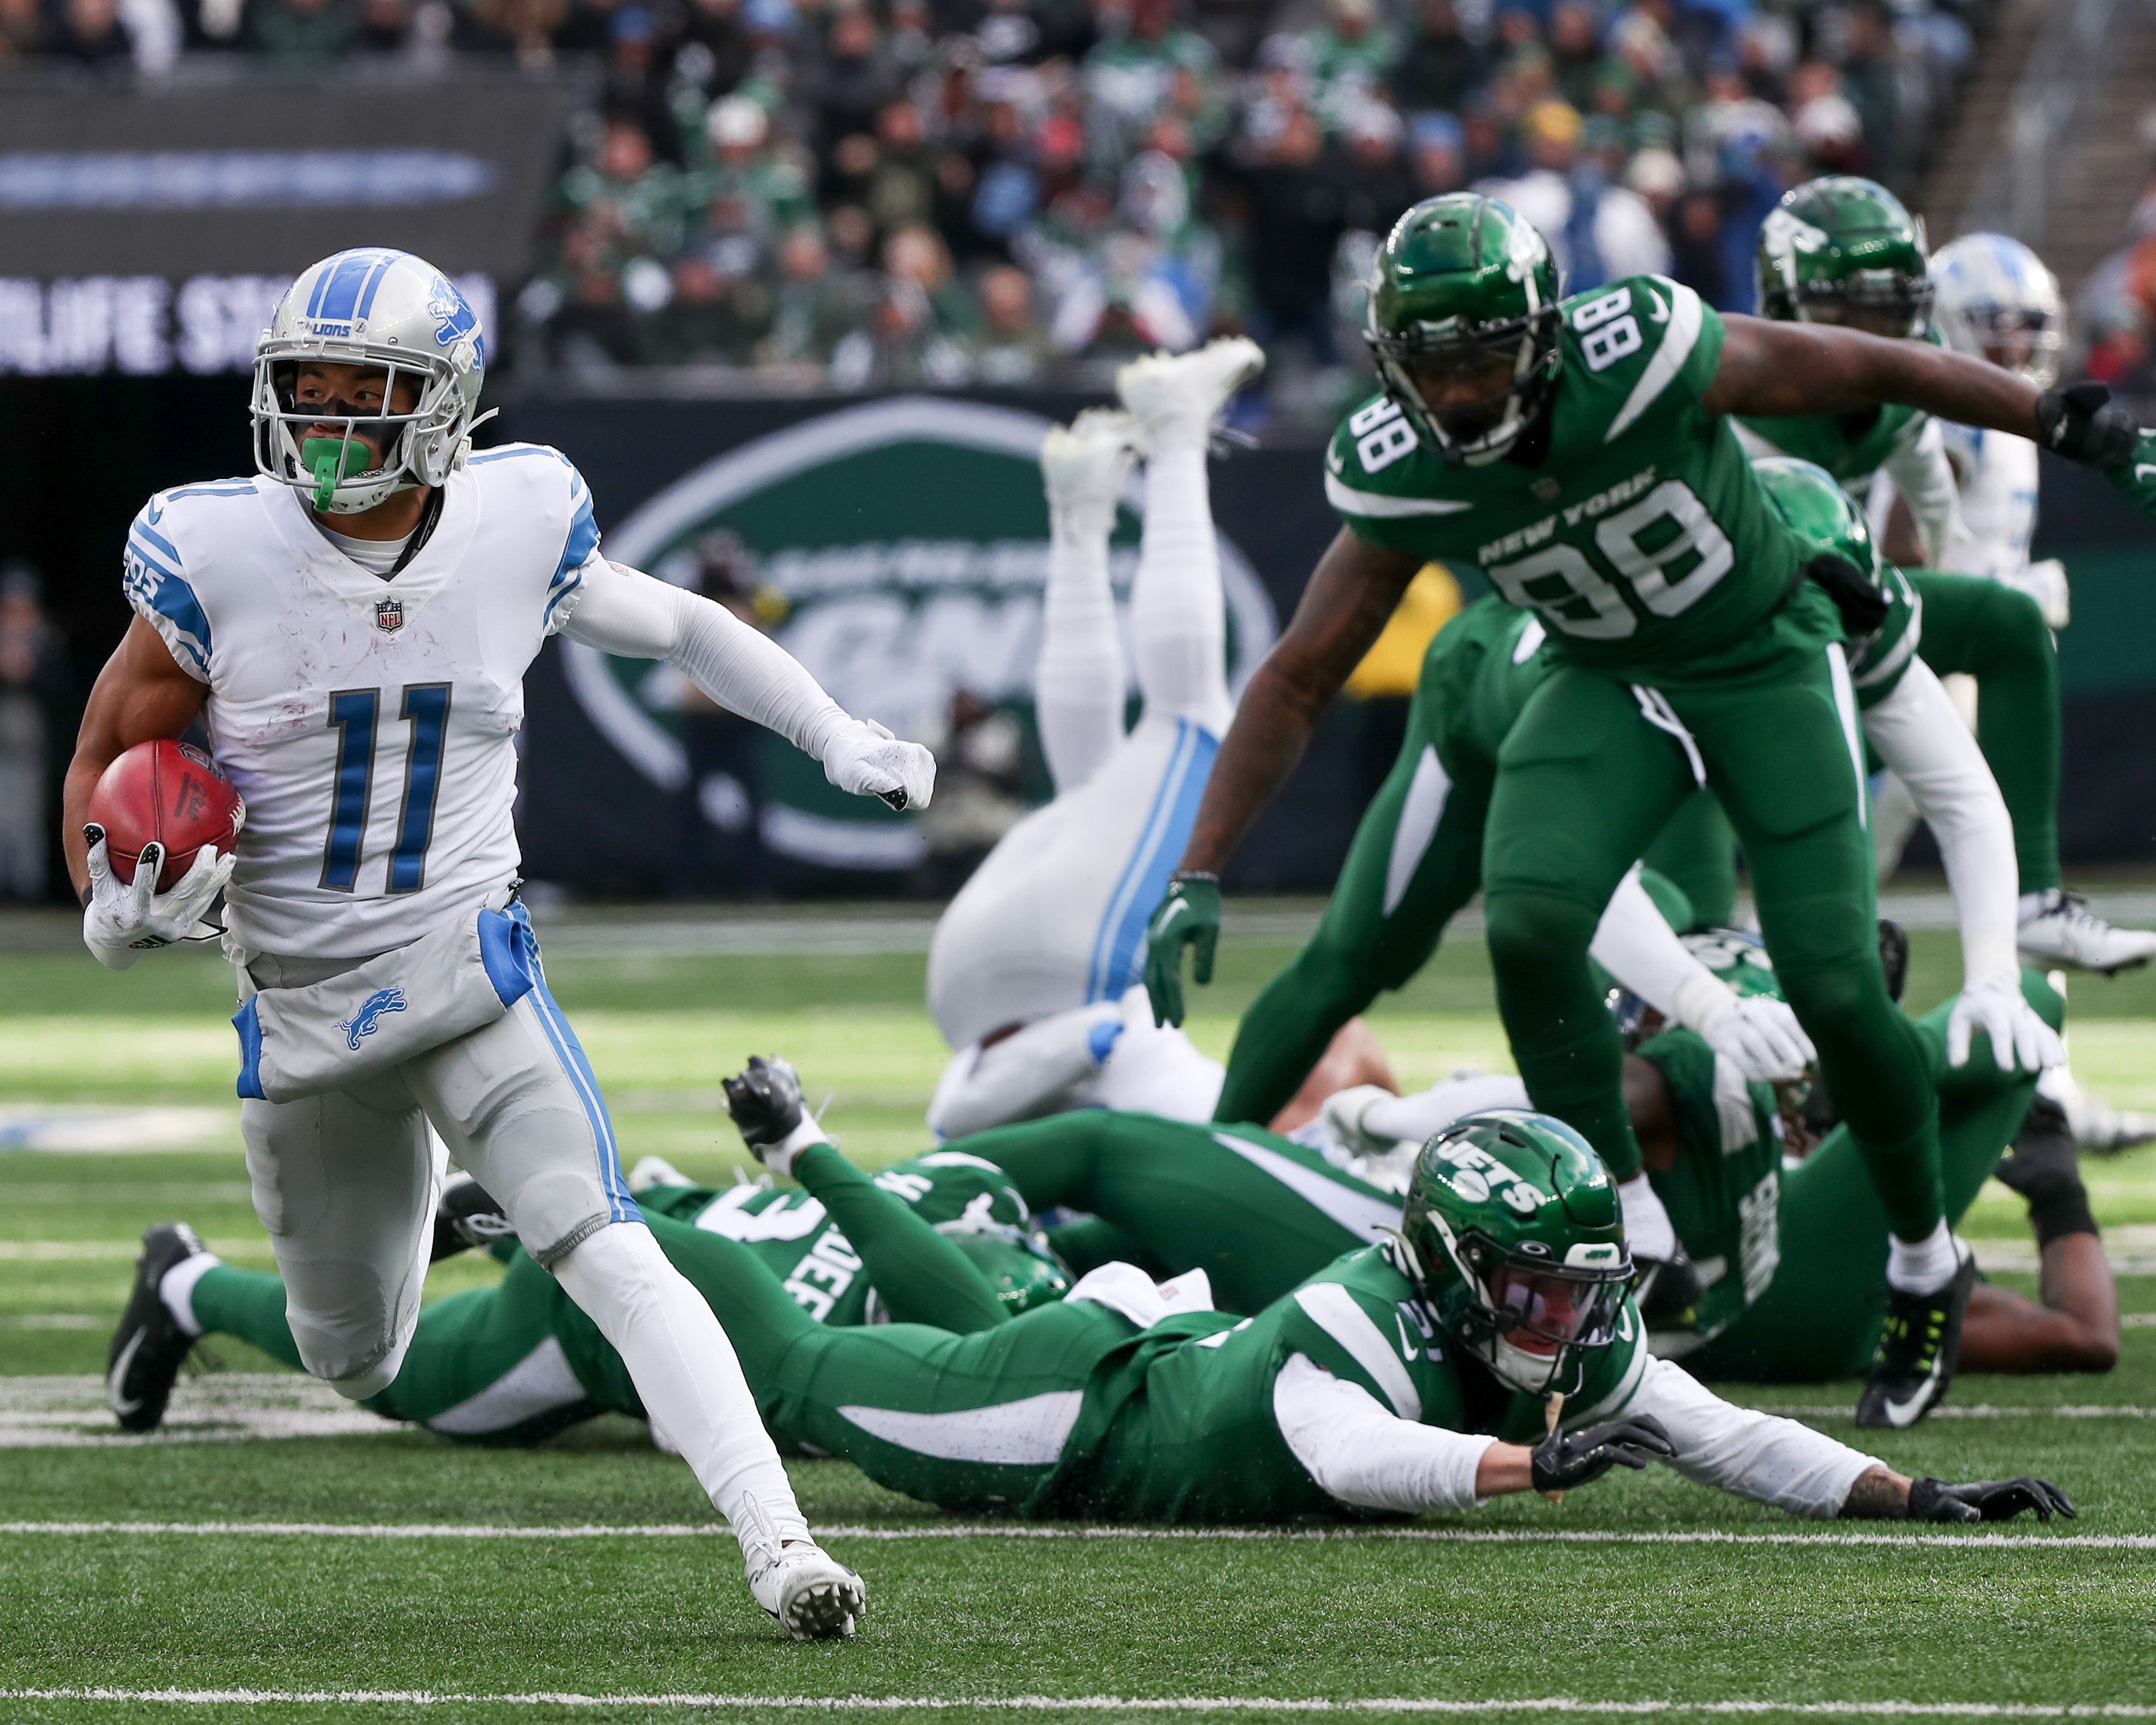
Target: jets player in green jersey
[1417, 855]
[1579, 452]
[1491, 1347]
[1843, 251]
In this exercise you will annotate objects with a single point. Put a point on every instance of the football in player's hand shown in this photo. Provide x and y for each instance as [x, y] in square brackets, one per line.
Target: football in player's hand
[170, 794]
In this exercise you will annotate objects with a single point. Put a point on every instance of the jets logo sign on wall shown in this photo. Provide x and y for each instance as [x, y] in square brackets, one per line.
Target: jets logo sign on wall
[910, 540]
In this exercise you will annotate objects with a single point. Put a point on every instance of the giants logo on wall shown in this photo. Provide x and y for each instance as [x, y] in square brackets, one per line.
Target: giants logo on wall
[910, 540]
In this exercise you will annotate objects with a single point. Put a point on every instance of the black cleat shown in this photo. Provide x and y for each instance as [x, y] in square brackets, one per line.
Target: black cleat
[1668, 1291]
[466, 1215]
[1917, 1351]
[150, 1346]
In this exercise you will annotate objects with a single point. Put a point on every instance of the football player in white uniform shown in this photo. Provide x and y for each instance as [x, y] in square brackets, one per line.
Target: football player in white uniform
[354, 624]
[1029, 965]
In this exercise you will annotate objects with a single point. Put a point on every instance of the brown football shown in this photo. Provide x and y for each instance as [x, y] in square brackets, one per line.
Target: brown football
[169, 793]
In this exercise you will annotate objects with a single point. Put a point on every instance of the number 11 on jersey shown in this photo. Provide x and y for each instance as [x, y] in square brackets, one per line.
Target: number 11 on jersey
[355, 715]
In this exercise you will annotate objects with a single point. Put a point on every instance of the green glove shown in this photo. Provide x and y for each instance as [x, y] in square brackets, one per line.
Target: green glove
[1189, 915]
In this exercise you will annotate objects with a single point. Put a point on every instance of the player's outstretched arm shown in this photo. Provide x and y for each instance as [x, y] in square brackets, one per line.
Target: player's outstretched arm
[1355, 590]
[1775, 369]
[624, 611]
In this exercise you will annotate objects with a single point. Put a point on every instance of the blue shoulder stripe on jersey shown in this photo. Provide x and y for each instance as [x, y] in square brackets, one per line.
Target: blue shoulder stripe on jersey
[509, 454]
[139, 526]
[246, 490]
[582, 540]
[170, 596]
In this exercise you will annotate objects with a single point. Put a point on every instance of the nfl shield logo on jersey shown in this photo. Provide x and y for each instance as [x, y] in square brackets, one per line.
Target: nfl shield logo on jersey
[389, 615]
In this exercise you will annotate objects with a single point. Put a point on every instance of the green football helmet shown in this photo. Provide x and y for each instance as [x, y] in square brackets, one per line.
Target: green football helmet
[1822, 514]
[1464, 301]
[1020, 1265]
[1513, 1235]
[1843, 250]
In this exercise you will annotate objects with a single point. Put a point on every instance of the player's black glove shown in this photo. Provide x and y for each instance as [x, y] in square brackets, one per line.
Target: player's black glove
[765, 1101]
[1986, 1499]
[1565, 1459]
[2084, 424]
[1862, 606]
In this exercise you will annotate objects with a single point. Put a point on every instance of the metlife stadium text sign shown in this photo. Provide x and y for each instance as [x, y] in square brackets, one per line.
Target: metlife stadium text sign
[152, 229]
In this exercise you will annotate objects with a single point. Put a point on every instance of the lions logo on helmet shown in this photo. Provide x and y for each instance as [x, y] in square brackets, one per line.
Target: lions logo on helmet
[377, 308]
[1511, 1232]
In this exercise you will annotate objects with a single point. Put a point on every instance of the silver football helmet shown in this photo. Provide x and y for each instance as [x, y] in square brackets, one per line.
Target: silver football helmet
[1994, 299]
[372, 306]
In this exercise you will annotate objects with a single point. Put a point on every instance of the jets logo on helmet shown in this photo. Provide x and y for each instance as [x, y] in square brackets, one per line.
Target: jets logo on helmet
[381, 310]
[1998, 301]
[1512, 1235]
[1843, 250]
[1463, 322]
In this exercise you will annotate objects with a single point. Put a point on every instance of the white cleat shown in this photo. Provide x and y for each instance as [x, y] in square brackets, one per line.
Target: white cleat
[805, 1590]
[2062, 930]
[655, 1171]
[1085, 464]
[2101, 1130]
[1181, 394]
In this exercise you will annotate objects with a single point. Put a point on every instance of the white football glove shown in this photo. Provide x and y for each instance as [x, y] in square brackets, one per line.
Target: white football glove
[1761, 1037]
[1344, 1112]
[867, 760]
[120, 923]
[2019, 1037]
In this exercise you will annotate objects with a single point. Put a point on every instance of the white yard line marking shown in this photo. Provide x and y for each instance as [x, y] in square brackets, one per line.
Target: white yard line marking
[1014, 1530]
[1980, 1410]
[72, 1413]
[1101, 1703]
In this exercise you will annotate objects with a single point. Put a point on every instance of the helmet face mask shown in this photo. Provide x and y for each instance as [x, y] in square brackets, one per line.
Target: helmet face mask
[1512, 1233]
[385, 313]
[1842, 250]
[1463, 324]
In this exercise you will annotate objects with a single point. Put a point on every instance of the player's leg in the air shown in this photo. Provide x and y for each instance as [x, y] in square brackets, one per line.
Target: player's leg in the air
[1030, 961]
[1258, 1213]
[1416, 859]
[1696, 852]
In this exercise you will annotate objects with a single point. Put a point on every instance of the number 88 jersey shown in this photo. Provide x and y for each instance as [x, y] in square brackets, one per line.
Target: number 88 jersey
[1641, 537]
[371, 725]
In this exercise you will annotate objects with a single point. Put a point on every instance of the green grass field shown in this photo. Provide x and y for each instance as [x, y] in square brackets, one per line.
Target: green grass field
[313, 1563]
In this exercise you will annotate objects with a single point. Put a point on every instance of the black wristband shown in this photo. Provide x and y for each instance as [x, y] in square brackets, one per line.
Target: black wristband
[2060, 1207]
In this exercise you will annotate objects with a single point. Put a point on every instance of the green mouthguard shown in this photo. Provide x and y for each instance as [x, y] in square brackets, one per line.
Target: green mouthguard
[319, 454]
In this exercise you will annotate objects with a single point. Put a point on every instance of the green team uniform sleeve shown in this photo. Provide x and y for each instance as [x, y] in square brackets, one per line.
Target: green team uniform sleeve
[1724, 1194]
[1852, 447]
[1877, 660]
[1641, 538]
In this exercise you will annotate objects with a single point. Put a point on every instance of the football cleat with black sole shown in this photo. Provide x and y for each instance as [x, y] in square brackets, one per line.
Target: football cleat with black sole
[467, 1216]
[1918, 1351]
[149, 1347]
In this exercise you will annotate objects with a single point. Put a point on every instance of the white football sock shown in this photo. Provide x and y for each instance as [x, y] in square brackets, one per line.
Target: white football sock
[684, 1370]
[1649, 1233]
[1078, 685]
[177, 1289]
[1178, 614]
[1925, 1267]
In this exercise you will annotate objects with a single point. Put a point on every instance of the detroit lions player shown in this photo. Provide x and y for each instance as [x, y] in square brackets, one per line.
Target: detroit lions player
[354, 624]
[1030, 962]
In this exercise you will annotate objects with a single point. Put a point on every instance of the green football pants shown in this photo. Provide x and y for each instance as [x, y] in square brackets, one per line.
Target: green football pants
[1820, 1317]
[1997, 635]
[1257, 1213]
[1696, 852]
[1592, 772]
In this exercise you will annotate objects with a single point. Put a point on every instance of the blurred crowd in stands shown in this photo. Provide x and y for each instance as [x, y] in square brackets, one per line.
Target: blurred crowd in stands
[899, 193]
[2113, 324]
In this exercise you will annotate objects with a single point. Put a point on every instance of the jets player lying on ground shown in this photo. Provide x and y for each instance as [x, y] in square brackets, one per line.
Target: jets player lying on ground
[1417, 855]
[353, 625]
[1030, 964]
[1790, 1296]
[1843, 251]
[1579, 452]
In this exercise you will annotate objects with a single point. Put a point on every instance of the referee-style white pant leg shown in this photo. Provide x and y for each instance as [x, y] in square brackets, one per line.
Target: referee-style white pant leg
[345, 1183]
[520, 1110]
